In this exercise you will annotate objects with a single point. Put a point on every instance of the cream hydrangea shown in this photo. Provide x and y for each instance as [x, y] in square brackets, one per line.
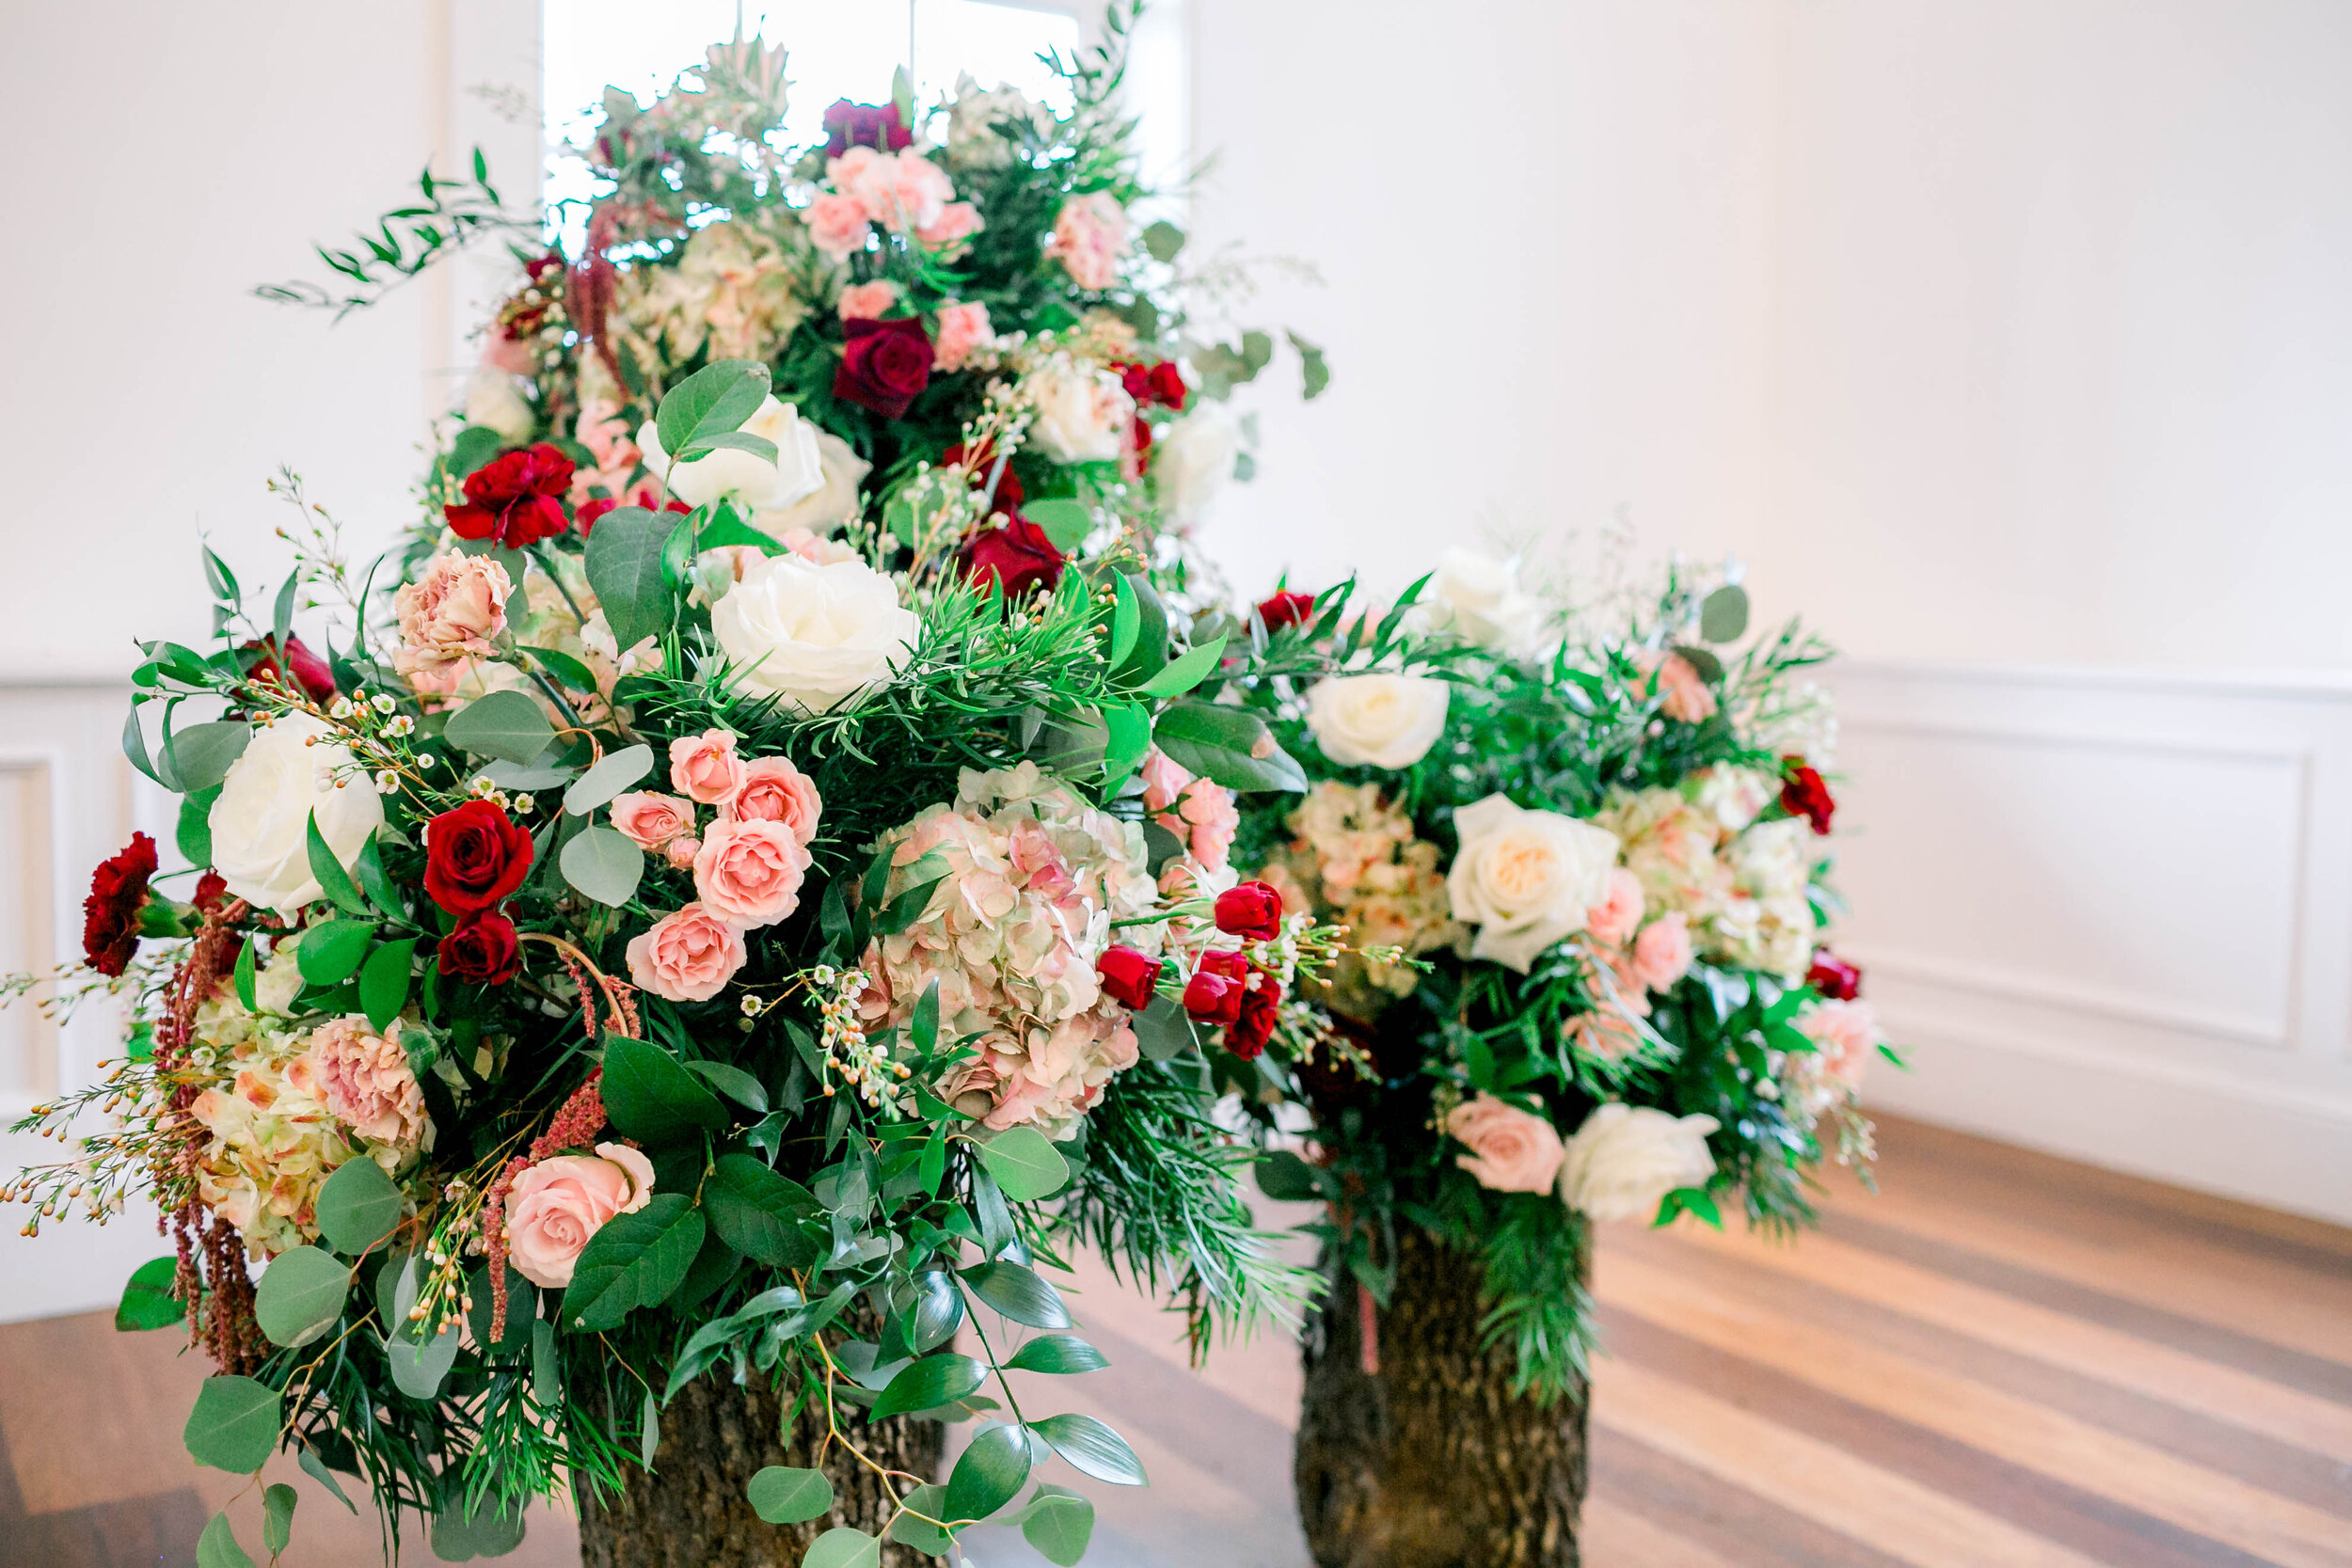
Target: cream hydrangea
[1354, 854]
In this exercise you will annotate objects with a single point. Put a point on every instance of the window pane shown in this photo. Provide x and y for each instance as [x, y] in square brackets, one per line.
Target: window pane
[994, 43]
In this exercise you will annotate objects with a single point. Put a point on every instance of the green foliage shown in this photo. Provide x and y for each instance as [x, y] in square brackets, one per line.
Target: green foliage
[784, 1495]
[147, 1299]
[635, 1261]
[235, 1424]
[301, 1296]
[358, 1206]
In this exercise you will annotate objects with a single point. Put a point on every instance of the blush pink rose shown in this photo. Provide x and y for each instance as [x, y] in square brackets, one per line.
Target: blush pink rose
[681, 852]
[649, 820]
[1662, 953]
[554, 1208]
[919, 193]
[363, 1078]
[1687, 700]
[964, 330]
[836, 225]
[1618, 914]
[868, 301]
[749, 872]
[686, 957]
[1089, 236]
[451, 615]
[775, 791]
[1511, 1150]
[1207, 820]
[958, 221]
[704, 767]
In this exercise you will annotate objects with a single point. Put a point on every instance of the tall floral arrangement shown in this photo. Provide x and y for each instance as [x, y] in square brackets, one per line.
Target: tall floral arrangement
[702, 917]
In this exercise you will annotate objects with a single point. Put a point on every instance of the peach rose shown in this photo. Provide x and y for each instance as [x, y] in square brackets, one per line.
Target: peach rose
[749, 872]
[686, 956]
[1686, 696]
[836, 225]
[775, 791]
[868, 301]
[964, 330]
[704, 767]
[452, 614]
[1618, 914]
[363, 1078]
[1511, 1150]
[1662, 953]
[649, 820]
[554, 1207]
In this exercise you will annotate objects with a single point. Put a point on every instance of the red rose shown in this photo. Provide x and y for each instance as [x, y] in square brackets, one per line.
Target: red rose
[1129, 978]
[1286, 608]
[310, 671]
[592, 511]
[1803, 793]
[1260, 1006]
[474, 855]
[514, 498]
[110, 915]
[1253, 912]
[1833, 976]
[482, 951]
[883, 364]
[1018, 555]
[1216, 993]
[874, 125]
[1163, 384]
[983, 463]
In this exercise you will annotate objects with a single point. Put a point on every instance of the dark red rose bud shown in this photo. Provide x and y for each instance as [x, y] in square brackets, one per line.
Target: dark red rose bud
[874, 125]
[482, 952]
[1253, 912]
[1216, 991]
[1833, 976]
[1805, 793]
[516, 498]
[474, 855]
[1018, 555]
[1129, 978]
[1260, 1006]
[1167, 385]
[883, 365]
[1286, 608]
[310, 671]
[110, 915]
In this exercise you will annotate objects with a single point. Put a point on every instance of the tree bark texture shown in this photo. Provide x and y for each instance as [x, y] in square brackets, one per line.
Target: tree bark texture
[692, 1512]
[1430, 1461]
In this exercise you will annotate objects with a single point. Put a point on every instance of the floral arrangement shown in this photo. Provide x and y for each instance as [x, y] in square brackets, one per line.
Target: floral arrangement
[1584, 870]
[724, 905]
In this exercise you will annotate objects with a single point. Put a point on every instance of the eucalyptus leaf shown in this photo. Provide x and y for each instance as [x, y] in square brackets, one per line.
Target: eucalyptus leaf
[201, 755]
[301, 1296]
[1065, 522]
[783, 1495]
[1059, 1524]
[217, 1547]
[418, 1367]
[504, 724]
[277, 1512]
[843, 1548]
[1026, 1165]
[358, 1206]
[616, 773]
[147, 1298]
[604, 864]
[235, 1424]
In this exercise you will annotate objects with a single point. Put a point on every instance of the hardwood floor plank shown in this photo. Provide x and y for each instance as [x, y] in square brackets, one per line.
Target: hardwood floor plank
[1715, 1515]
[2129, 1472]
[155, 1532]
[1891, 1514]
[1616, 1537]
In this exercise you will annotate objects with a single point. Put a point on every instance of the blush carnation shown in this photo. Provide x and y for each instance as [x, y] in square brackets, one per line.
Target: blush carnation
[449, 618]
[364, 1079]
[963, 331]
[110, 915]
[1618, 915]
[1089, 236]
[869, 300]
[836, 225]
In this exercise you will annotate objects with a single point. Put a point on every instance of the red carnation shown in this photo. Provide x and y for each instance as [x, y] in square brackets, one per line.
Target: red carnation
[982, 461]
[211, 889]
[474, 855]
[482, 951]
[1260, 1006]
[1286, 608]
[515, 497]
[592, 511]
[1833, 976]
[1803, 793]
[874, 125]
[110, 915]
[1017, 556]
[1216, 993]
[883, 364]
[1253, 912]
[1129, 978]
[310, 671]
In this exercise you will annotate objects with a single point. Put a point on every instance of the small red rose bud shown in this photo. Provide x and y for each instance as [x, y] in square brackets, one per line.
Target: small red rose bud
[1128, 976]
[1253, 912]
[1833, 976]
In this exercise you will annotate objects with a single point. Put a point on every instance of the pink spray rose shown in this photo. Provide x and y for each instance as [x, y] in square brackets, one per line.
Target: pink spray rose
[364, 1080]
[704, 767]
[1206, 818]
[1618, 914]
[686, 957]
[1511, 1150]
[557, 1205]
[649, 820]
[869, 300]
[450, 616]
[1687, 700]
[775, 791]
[836, 225]
[1090, 235]
[749, 872]
[680, 852]
[1848, 1034]
[1662, 953]
[964, 329]
[1164, 780]
[958, 221]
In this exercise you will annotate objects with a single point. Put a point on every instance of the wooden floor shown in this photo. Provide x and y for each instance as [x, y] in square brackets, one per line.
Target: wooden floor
[2003, 1361]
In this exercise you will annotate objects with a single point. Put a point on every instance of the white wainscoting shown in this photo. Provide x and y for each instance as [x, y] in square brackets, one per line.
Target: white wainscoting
[2109, 914]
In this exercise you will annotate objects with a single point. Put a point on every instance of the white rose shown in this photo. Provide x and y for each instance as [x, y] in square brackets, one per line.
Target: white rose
[1478, 598]
[1625, 1159]
[495, 400]
[1082, 413]
[1377, 721]
[1734, 795]
[834, 504]
[812, 634]
[260, 822]
[1525, 878]
[1192, 460]
[798, 472]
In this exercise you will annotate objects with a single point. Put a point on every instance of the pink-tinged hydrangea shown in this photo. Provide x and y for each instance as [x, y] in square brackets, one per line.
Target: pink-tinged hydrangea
[1847, 1036]
[1090, 237]
[270, 1141]
[1033, 878]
